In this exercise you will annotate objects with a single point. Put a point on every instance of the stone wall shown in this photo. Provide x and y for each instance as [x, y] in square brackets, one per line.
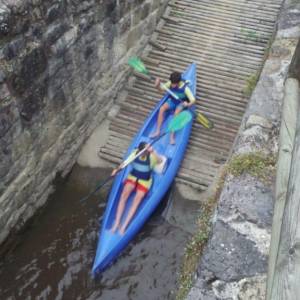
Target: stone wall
[62, 63]
[235, 262]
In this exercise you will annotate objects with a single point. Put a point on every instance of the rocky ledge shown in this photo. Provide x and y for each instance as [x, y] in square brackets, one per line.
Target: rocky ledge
[234, 263]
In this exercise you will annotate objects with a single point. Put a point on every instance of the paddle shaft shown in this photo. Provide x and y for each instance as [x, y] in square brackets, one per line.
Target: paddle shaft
[163, 87]
[198, 114]
[122, 166]
[97, 188]
[177, 123]
[126, 163]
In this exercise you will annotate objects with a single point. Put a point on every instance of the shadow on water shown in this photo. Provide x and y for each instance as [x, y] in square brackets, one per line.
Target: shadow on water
[53, 257]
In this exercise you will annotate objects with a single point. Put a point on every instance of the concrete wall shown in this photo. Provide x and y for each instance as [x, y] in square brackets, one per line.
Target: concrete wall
[62, 63]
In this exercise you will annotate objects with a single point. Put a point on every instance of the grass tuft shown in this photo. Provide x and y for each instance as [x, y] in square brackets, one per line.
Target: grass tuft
[194, 250]
[250, 34]
[257, 164]
[250, 84]
[195, 246]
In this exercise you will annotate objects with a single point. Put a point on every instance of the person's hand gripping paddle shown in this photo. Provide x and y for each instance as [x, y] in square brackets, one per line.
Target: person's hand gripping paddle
[175, 124]
[139, 67]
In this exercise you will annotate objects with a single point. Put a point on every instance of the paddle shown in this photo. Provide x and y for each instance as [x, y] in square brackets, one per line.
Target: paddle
[176, 123]
[204, 121]
[139, 66]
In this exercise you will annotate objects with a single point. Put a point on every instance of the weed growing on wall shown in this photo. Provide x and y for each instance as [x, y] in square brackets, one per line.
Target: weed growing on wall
[257, 164]
[195, 246]
[250, 84]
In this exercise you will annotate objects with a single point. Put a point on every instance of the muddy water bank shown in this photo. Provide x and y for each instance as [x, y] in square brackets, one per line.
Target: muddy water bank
[53, 257]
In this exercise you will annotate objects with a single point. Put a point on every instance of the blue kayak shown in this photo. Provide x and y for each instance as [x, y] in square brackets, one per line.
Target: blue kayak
[111, 244]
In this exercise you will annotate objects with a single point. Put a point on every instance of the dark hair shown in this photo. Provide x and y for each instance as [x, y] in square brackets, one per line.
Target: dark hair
[142, 145]
[175, 77]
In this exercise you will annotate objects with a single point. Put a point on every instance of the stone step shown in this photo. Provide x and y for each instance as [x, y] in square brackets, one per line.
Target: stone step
[239, 59]
[211, 22]
[227, 39]
[222, 127]
[205, 85]
[208, 104]
[233, 5]
[118, 142]
[196, 140]
[206, 56]
[221, 13]
[208, 67]
[215, 18]
[221, 47]
[213, 108]
[188, 48]
[200, 187]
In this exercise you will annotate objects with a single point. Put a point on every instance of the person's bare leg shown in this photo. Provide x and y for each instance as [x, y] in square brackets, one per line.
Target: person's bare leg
[136, 202]
[172, 134]
[128, 188]
[160, 120]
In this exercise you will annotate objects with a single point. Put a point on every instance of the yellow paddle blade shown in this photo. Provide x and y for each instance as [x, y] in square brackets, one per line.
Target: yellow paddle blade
[204, 121]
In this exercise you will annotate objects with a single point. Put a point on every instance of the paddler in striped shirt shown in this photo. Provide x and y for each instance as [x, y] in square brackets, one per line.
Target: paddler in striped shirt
[139, 180]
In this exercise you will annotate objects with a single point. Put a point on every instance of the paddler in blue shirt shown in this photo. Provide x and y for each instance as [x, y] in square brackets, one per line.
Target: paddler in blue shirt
[139, 179]
[186, 99]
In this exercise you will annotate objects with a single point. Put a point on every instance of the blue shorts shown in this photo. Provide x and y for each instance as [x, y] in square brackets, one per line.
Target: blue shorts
[174, 106]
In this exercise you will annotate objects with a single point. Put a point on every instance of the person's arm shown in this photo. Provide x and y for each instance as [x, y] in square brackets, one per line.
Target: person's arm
[190, 96]
[116, 170]
[158, 85]
[156, 159]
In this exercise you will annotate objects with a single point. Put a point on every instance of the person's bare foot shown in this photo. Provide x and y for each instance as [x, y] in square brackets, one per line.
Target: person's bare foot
[154, 134]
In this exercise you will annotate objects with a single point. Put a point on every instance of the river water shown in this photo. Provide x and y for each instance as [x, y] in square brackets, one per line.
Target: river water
[52, 259]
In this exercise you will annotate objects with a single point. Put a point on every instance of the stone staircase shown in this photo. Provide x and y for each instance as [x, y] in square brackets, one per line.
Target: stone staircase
[228, 40]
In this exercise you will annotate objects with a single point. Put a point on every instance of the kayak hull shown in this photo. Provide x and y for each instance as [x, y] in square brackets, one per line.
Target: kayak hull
[111, 244]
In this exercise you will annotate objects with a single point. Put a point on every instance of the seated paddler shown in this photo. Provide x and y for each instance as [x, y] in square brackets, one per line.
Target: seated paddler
[185, 99]
[139, 181]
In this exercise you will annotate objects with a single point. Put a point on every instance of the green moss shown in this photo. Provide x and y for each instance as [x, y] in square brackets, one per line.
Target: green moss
[194, 248]
[178, 14]
[249, 34]
[256, 164]
[268, 48]
[250, 84]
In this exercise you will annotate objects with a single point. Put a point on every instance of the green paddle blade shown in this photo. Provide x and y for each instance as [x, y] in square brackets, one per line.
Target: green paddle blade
[179, 121]
[137, 65]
